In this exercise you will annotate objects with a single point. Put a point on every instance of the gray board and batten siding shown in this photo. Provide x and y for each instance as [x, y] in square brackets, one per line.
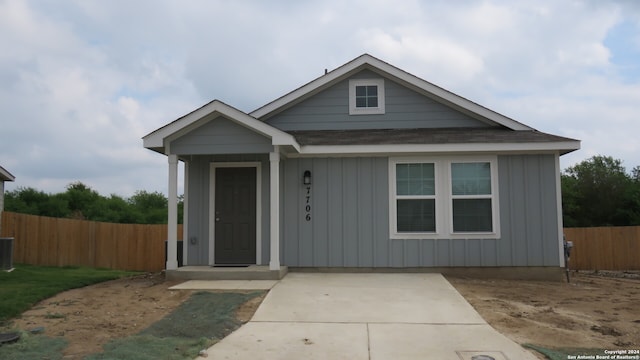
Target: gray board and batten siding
[233, 143]
[405, 109]
[199, 168]
[349, 224]
[221, 136]
[349, 201]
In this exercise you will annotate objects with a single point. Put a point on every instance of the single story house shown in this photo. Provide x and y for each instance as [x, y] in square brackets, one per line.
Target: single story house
[367, 168]
[4, 176]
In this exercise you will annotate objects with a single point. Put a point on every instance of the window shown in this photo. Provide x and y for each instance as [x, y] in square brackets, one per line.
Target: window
[415, 194]
[443, 198]
[366, 96]
[471, 197]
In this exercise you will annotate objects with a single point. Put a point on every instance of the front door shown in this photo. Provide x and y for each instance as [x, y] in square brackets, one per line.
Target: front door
[235, 216]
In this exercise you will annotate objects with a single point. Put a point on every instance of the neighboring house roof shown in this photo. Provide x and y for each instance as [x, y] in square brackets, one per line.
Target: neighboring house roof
[5, 175]
[156, 139]
[413, 82]
[440, 139]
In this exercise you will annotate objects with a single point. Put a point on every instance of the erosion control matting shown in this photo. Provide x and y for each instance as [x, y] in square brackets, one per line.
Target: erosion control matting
[201, 321]
[32, 346]
[204, 314]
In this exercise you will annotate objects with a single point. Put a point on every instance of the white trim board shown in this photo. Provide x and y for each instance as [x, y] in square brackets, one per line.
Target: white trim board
[6, 175]
[212, 205]
[559, 209]
[185, 216]
[379, 84]
[162, 136]
[443, 197]
[442, 148]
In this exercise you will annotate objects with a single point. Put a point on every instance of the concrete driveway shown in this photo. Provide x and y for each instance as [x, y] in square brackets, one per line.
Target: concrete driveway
[366, 316]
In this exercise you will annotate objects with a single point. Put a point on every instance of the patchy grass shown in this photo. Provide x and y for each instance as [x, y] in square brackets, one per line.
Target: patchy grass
[33, 347]
[26, 285]
[55, 316]
[201, 321]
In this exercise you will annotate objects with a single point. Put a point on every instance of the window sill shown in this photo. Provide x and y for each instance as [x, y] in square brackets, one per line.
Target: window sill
[431, 236]
[366, 111]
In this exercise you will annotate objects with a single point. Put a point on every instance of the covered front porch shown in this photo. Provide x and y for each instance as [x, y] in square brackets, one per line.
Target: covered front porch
[231, 194]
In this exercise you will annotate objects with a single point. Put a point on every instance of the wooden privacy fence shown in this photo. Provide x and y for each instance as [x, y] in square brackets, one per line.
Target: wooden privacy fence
[604, 248]
[49, 241]
[60, 242]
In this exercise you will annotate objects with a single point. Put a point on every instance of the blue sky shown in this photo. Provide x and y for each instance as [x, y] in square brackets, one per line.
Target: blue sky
[84, 80]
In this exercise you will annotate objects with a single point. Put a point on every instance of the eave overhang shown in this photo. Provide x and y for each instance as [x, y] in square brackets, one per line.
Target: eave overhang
[158, 139]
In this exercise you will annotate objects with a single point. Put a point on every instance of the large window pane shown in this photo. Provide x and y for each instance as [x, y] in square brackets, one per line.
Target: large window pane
[415, 179]
[472, 215]
[471, 178]
[416, 215]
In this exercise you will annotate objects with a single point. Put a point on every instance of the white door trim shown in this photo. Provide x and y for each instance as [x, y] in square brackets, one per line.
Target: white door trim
[212, 206]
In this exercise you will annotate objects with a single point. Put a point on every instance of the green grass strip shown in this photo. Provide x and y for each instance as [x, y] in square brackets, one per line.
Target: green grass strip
[26, 285]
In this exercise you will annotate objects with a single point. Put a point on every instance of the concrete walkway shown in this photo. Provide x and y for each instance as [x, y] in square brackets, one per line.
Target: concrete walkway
[366, 316]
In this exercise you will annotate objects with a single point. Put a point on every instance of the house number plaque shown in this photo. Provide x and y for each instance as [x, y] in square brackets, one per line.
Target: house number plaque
[307, 205]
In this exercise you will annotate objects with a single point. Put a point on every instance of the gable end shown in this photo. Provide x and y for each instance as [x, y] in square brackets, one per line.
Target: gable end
[399, 107]
[367, 61]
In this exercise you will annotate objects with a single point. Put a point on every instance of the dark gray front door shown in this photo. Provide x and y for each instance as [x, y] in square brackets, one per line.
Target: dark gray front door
[235, 216]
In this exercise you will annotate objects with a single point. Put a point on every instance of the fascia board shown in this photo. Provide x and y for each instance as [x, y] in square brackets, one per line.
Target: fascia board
[448, 148]
[157, 138]
[401, 75]
[449, 96]
[311, 86]
[5, 175]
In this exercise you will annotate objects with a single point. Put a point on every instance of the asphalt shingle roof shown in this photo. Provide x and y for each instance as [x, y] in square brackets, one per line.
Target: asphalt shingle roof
[422, 136]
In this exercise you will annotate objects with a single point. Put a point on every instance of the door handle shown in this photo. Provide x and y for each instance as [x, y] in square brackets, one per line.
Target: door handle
[217, 219]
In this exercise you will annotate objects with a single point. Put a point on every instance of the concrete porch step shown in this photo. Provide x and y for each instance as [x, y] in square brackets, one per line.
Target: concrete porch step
[251, 272]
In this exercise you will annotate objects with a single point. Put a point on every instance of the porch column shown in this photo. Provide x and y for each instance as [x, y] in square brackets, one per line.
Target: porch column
[274, 199]
[172, 222]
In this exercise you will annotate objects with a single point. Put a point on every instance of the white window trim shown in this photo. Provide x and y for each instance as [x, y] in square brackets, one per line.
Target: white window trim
[353, 110]
[444, 198]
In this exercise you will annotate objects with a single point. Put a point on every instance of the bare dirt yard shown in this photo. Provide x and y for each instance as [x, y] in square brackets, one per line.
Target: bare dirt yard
[591, 312]
[89, 317]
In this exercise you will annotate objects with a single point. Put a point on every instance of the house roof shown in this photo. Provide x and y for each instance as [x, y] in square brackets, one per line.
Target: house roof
[5, 175]
[156, 139]
[440, 139]
[367, 61]
[421, 136]
[504, 134]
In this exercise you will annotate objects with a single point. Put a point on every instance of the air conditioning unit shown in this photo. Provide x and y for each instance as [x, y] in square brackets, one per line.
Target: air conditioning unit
[6, 253]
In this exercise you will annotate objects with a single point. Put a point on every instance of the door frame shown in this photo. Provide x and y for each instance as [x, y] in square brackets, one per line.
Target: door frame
[212, 205]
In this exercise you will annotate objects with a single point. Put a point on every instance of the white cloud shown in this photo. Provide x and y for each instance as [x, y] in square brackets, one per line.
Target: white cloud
[85, 80]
